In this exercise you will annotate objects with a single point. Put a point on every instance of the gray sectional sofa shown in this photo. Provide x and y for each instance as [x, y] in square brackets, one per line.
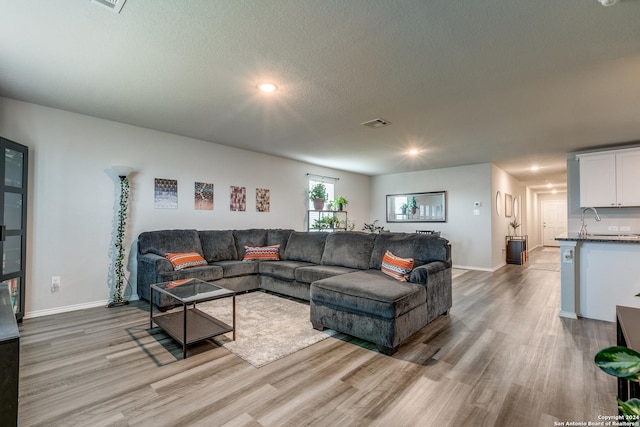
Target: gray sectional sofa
[338, 273]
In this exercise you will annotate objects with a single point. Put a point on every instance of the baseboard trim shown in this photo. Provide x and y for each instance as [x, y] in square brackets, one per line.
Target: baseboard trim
[68, 308]
[470, 267]
[568, 314]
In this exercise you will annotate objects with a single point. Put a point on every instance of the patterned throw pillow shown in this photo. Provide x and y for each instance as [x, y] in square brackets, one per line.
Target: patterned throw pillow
[396, 267]
[184, 260]
[262, 253]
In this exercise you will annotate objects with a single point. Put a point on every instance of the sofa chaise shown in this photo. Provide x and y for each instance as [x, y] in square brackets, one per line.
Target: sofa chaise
[340, 274]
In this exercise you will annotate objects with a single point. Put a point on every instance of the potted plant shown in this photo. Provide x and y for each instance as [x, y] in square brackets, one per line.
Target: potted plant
[403, 208]
[319, 224]
[622, 362]
[318, 194]
[373, 228]
[413, 204]
[514, 224]
[340, 202]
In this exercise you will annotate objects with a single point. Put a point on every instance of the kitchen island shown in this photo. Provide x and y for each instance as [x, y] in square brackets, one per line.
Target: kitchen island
[598, 272]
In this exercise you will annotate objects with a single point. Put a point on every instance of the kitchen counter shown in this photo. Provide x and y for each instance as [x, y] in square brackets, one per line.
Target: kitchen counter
[598, 237]
[598, 272]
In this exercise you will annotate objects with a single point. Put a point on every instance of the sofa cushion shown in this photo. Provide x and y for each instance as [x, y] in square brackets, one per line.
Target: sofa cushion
[183, 260]
[262, 253]
[218, 245]
[250, 237]
[307, 247]
[423, 248]
[165, 241]
[368, 292]
[235, 268]
[396, 267]
[206, 273]
[348, 249]
[284, 270]
[312, 273]
[277, 236]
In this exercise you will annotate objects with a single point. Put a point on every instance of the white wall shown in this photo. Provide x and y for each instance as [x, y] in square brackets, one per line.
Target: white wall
[72, 200]
[506, 184]
[532, 227]
[470, 235]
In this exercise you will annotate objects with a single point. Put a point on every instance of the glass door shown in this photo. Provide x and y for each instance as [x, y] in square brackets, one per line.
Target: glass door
[13, 205]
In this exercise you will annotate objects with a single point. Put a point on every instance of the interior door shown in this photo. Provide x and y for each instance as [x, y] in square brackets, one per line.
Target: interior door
[554, 221]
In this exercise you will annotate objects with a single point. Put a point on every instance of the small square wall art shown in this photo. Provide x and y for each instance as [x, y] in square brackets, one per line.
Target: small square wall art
[165, 193]
[203, 196]
[238, 199]
[263, 200]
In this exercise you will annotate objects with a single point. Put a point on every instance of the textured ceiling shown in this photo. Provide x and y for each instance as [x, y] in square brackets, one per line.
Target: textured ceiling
[515, 83]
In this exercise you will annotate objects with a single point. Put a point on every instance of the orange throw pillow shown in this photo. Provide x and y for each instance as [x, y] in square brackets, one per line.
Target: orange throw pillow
[184, 260]
[396, 267]
[262, 253]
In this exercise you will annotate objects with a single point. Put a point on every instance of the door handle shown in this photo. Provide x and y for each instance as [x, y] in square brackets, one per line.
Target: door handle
[3, 233]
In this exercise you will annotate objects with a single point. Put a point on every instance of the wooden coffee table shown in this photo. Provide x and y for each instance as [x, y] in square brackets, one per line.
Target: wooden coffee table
[191, 325]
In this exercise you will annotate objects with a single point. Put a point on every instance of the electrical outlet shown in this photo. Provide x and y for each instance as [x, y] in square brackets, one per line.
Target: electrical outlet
[625, 228]
[613, 228]
[55, 283]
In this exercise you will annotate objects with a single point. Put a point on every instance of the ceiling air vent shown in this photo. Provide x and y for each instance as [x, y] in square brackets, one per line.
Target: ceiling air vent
[114, 5]
[376, 123]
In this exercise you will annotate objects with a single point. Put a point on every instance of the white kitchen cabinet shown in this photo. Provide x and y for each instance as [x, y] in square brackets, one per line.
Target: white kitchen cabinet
[610, 178]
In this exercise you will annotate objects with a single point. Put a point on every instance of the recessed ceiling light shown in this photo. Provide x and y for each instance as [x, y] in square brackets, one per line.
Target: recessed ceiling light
[534, 168]
[267, 87]
[413, 152]
[549, 185]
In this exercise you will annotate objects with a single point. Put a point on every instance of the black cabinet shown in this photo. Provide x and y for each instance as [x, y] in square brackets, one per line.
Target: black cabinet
[9, 359]
[13, 220]
[516, 249]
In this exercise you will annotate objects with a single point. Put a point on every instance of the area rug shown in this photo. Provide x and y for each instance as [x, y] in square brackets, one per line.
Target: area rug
[268, 327]
[548, 266]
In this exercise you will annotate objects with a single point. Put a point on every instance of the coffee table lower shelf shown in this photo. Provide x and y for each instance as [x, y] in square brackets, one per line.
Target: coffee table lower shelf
[200, 326]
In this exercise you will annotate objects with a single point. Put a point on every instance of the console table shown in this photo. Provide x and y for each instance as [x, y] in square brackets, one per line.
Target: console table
[516, 249]
[628, 335]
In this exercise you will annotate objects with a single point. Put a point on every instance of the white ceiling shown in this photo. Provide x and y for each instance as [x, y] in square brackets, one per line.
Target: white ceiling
[515, 83]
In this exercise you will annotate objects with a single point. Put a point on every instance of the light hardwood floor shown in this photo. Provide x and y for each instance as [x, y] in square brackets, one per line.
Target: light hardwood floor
[502, 357]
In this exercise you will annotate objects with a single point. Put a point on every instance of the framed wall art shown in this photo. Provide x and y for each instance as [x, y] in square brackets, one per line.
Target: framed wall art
[165, 193]
[238, 201]
[263, 200]
[508, 205]
[203, 196]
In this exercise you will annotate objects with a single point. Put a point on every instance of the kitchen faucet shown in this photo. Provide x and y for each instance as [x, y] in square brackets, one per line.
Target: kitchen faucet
[583, 226]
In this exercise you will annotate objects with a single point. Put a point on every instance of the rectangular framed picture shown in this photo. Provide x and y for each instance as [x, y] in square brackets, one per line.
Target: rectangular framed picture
[263, 200]
[238, 201]
[165, 193]
[508, 205]
[203, 196]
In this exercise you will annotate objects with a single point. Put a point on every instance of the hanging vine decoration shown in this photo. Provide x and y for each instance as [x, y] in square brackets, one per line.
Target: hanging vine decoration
[122, 222]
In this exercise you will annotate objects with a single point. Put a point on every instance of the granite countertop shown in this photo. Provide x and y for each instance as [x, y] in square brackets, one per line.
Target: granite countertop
[601, 237]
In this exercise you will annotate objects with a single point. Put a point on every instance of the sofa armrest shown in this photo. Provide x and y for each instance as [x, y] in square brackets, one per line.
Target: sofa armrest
[436, 278]
[149, 268]
[420, 275]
